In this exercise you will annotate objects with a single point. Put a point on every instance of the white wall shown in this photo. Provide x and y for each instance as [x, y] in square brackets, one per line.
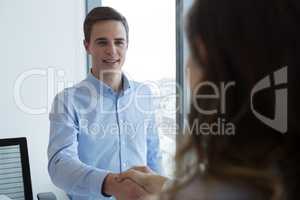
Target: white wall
[45, 35]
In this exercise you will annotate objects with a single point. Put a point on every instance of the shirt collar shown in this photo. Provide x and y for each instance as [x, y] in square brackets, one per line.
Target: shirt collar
[101, 86]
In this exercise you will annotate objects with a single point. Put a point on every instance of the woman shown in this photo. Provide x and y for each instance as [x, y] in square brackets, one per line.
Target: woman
[239, 43]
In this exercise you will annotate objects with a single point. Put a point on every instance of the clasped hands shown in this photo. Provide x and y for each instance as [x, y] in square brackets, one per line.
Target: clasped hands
[136, 183]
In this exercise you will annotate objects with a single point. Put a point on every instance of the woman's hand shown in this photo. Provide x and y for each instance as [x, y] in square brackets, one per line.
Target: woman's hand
[144, 177]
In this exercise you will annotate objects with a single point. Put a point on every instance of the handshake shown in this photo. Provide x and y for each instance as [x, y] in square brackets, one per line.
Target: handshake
[137, 183]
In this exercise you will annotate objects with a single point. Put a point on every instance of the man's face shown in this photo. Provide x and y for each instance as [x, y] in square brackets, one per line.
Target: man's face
[107, 46]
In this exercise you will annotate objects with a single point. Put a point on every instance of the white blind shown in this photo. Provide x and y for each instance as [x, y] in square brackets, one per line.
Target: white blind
[11, 179]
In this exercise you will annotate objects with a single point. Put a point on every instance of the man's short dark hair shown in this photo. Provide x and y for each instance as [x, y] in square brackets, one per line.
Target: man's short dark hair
[100, 14]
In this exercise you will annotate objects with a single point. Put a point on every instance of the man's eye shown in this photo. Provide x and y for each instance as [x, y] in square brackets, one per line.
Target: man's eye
[101, 43]
[120, 43]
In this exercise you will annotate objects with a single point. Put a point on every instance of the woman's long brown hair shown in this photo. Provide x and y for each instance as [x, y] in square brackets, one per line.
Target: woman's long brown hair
[246, 40]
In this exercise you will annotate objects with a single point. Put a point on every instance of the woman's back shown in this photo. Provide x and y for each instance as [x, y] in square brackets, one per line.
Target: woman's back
[214, 189]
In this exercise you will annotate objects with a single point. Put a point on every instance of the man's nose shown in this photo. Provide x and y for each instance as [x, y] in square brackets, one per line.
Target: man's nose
[111, 49]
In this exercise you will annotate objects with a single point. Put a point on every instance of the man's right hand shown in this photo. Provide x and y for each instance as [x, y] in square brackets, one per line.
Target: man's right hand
[149, 181]
[125, 190]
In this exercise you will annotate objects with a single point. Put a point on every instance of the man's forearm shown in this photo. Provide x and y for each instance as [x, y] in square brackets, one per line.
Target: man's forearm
[75, 177]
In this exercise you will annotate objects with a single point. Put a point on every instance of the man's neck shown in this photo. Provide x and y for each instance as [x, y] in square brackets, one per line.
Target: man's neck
[113, 80]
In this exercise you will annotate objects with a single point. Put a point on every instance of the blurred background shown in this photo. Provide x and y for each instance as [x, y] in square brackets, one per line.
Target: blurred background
[42, 52]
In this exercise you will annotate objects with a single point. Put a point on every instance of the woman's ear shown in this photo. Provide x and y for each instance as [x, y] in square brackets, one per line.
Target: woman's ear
[202, 51]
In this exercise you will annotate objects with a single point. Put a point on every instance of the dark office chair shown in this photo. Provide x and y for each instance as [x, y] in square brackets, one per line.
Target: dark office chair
[15, 180]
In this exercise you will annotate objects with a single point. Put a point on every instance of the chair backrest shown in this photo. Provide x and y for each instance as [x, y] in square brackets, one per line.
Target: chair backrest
[15, 181]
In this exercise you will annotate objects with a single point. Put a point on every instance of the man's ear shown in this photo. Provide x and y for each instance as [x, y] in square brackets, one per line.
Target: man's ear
[202, 50]
[86, 46]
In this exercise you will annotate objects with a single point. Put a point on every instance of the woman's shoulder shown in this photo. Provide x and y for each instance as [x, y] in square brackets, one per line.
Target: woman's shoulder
[198, 188]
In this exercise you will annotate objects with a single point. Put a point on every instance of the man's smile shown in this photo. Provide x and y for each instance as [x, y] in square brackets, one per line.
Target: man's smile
[110, 61]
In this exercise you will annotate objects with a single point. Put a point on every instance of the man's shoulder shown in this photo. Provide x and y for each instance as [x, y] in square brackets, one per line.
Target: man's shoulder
[71, 91]
[83, 84]
[141, 87]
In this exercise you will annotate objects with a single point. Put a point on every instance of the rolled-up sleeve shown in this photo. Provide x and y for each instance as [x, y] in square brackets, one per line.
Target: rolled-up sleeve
[65, 168]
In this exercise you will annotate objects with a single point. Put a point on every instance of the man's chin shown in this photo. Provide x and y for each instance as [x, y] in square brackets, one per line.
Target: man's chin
[110, 68]
[113, 67]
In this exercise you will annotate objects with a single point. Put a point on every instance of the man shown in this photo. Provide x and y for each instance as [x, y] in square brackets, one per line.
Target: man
[105, 124]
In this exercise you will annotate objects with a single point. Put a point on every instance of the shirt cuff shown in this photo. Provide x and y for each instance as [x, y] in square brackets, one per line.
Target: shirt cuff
[97, 180]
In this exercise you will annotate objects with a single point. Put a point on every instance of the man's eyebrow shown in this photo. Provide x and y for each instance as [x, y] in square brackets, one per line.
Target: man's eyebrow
[105, 39]
[120, 39]
[100, 39]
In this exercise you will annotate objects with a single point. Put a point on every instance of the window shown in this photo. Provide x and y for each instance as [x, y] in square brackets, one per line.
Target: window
[151, 59]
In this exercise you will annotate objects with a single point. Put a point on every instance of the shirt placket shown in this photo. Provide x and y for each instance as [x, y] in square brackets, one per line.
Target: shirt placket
[122, 136]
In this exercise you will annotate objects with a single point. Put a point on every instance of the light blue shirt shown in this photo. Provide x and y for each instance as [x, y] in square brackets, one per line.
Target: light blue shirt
[95, 131]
